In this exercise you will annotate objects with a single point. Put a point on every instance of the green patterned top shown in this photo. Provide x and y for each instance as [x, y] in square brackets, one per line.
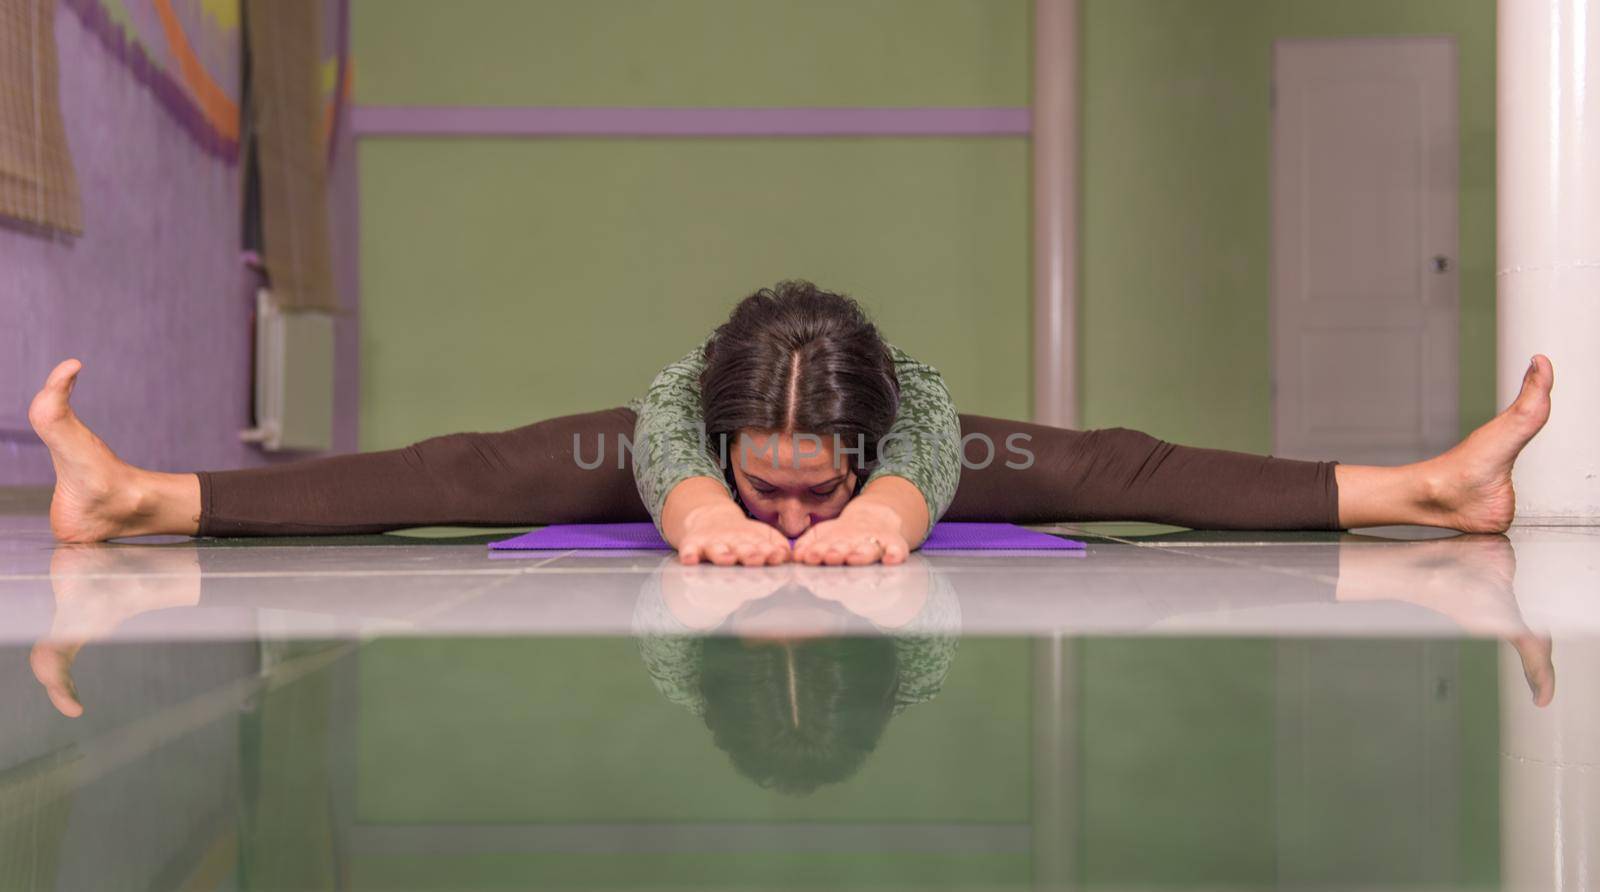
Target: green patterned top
[923, 446]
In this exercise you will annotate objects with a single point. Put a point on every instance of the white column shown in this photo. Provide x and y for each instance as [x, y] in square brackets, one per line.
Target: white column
[1549, 253]
[1055, 212]
[1550, 774]
[1550, 757]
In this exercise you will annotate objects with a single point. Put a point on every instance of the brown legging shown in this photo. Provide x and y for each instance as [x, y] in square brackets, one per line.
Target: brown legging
[531, 476]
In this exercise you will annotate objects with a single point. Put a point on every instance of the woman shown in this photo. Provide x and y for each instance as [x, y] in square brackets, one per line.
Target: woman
[814, 429]
[797, 671]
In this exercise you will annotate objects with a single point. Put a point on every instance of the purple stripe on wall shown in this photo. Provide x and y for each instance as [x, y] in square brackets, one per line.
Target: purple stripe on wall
[416, 120]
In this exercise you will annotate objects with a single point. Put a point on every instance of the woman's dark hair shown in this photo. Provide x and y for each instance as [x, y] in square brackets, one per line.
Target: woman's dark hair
[796, 359]
[800, 714]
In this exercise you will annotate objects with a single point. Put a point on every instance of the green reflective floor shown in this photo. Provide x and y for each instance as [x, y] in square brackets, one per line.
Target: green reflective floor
[1171, 710]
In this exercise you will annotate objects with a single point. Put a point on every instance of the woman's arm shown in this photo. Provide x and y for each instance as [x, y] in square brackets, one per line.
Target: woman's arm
[924, 444]
[669, 437]
[683, 489]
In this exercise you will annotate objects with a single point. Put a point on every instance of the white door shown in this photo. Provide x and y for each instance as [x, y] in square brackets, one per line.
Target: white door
[1364, 249]
[1367, 776]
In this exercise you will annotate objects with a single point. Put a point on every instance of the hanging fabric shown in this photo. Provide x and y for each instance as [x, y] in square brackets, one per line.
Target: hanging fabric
[37, 183]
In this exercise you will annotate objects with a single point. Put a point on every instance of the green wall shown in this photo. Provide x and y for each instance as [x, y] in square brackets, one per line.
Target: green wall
[692, 52]
[1177, 763]
[504, 281]
[1176, 205]
[808, 871]
[487, 264]
[1178, 768]
[507, 280]
[548, 722]
[1176, 784]
[572, 731]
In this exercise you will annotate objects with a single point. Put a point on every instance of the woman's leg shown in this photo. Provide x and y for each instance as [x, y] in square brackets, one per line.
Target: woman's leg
[1120, 474]
[527, 475]
[530, 475]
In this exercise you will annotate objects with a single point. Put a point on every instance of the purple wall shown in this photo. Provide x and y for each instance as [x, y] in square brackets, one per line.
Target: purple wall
[152, 296]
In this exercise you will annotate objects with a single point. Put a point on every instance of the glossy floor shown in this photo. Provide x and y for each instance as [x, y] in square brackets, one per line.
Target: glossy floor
[1169, 709]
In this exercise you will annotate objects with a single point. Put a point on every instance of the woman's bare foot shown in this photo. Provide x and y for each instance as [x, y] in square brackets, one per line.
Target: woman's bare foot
[98, 496]
[1537, 666]
[1466, 578]
[98, 588]
[1470, 485]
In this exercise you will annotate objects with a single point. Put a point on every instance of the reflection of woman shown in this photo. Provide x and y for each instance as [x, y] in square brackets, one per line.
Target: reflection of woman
[796, 672]
[804, 397]
[1467, 578]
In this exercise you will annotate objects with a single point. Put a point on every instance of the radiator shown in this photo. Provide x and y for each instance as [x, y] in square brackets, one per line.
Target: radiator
[293, 377]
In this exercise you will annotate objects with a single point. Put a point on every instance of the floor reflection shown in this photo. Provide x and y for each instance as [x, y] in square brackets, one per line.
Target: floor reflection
[805, 727]
[797, 670]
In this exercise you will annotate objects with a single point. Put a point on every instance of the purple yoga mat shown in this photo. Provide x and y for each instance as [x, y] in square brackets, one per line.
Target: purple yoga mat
[643, 536]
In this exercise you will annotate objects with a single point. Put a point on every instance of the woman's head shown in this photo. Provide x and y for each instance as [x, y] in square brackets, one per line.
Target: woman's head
[797, 392]
[795, 713]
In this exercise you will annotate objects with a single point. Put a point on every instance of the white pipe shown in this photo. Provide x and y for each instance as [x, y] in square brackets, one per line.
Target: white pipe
[1549, 244]
[1055, 212]
[1056, 763]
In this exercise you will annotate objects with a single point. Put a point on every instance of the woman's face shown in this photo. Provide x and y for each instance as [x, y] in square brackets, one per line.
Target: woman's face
[790, 481]
[793, 614]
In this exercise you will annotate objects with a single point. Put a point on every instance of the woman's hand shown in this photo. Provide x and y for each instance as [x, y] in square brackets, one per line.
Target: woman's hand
[702, 597]
[864, 533]
[721, 534]
[888, 596]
